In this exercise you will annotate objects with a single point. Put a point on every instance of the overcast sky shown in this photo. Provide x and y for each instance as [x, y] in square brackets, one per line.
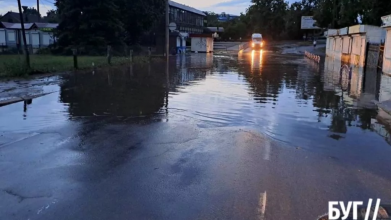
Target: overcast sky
[12, 5]
[218, 6]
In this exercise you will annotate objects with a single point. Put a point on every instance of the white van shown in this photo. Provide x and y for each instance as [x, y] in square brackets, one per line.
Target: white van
[257, 41]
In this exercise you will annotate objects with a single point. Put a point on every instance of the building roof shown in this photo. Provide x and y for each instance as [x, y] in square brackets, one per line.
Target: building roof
[215, 29]
[17, 26]
[46, 25]
[14, 17]
[186, 8]
[27, 26]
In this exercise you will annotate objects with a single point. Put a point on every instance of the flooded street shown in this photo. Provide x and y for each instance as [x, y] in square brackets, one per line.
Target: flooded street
[205, 141]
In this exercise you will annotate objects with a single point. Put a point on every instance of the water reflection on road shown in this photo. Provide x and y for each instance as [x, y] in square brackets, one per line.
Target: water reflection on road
[288, 98]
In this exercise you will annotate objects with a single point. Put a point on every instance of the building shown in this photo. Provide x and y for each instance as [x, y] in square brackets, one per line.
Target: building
[188, 21]
[38, 35]
[14, 17]
[223, 17]
[387, 46]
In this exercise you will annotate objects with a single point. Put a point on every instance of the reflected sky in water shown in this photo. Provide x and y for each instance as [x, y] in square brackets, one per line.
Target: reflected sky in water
[289, 98]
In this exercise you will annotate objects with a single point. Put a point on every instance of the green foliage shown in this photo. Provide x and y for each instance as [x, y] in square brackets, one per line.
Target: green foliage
[343, 13]
[212, 19]
[235, 29]
[91, 23]
[267, 17]
[88, 23]
[139, 16]
[372, 10]
[13, 65]
[52, 16]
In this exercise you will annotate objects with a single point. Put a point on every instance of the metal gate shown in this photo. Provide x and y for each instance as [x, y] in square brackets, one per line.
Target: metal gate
[374, 57]
[381, 56]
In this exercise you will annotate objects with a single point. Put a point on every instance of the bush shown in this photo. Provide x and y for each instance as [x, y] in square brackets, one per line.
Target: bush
[44, 51]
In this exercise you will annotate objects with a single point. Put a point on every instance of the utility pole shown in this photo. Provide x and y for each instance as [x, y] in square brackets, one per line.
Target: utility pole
[26, 51]
[38, 10]
[167, 30]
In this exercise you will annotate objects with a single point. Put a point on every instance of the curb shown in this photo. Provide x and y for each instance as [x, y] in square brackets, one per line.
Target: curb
[22, 99]
[313, 57]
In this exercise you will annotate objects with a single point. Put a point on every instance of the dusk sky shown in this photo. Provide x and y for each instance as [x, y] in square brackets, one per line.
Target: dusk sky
[218, 6]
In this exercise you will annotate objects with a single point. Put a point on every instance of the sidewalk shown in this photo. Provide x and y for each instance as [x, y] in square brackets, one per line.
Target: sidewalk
[319, 50]
[17, 90]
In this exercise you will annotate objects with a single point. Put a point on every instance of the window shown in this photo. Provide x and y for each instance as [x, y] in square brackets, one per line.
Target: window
[11, 36]
[175, 14]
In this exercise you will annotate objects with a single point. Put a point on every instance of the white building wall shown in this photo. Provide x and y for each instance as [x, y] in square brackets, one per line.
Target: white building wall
[376, 36]
[387, 53]
[202, 44]
[45, 39]
[11, 36]
[35, 40]
[3, 39]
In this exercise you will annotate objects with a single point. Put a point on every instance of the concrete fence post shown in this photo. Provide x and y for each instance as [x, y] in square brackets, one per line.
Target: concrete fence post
[109, 54]
[75, 65]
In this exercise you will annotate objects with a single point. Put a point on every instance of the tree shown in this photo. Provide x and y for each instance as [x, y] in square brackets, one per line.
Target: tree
[52, 16]
[212, 19]
[140, 16]
[343, 13]
[235, 29]
[324, 13]
[373, 10]
[88, 24]
[267, 17]
[293, 21]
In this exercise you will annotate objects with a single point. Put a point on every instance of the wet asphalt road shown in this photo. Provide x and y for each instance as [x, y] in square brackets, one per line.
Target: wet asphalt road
[220, 137]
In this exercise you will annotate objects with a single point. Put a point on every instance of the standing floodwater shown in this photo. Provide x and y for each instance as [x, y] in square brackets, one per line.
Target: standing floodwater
[208, 140]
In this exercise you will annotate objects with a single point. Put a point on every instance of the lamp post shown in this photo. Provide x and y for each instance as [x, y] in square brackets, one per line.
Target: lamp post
[167, 30]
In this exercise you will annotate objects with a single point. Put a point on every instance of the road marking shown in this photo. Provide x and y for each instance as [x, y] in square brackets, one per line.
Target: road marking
[266, 156]
[262, 206]
[20, 139]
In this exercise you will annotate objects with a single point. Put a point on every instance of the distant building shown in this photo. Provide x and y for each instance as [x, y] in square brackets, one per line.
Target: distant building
[223, 17]
[38, 35]
[13, 17]
[188, 20]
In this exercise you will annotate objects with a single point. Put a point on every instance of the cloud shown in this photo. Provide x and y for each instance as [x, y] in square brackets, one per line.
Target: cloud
[218, 6]
[233, 3]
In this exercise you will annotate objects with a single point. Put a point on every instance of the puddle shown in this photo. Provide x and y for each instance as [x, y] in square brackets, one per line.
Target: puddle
[290, 99]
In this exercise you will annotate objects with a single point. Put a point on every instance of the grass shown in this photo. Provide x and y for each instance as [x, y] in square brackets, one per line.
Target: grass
[13, 65]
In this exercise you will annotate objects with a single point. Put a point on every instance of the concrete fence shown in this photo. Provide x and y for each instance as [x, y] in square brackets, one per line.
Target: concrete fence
[313, 57]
